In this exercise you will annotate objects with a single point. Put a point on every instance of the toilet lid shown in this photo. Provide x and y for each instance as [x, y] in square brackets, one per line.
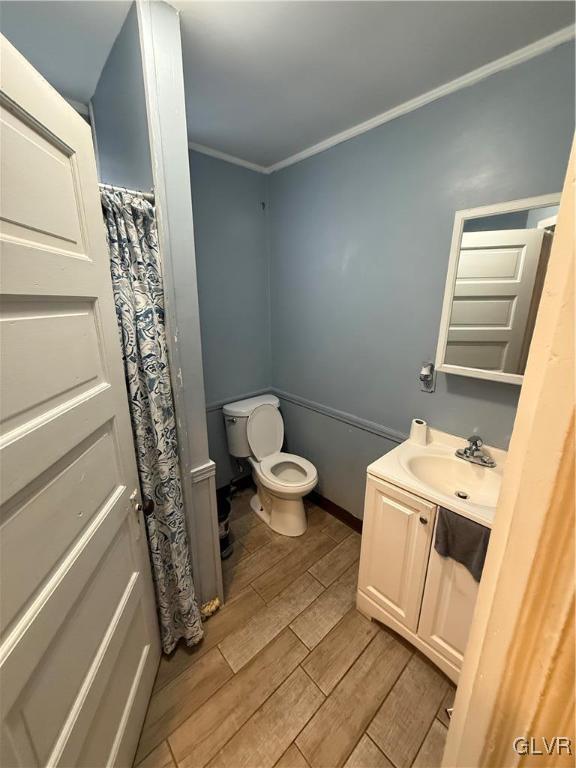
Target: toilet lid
[265, 431]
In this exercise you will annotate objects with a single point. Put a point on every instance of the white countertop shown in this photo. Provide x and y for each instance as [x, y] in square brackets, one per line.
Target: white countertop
[447, 474]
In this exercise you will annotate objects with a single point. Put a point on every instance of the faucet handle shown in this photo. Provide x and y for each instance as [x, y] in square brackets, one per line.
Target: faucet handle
[476, 441]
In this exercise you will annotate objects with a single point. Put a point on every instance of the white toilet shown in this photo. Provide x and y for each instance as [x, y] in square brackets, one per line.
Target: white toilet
[255, 430]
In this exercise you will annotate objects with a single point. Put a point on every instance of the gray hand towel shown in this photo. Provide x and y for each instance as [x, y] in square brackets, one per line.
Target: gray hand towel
[461, 539]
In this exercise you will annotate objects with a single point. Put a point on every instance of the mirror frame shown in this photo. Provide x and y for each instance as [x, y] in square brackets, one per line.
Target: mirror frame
[459, 218]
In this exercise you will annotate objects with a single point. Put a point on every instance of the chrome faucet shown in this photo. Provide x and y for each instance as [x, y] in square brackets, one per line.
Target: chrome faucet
[474, 453]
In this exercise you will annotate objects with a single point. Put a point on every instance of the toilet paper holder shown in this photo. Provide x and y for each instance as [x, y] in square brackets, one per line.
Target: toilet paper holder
[427, 377]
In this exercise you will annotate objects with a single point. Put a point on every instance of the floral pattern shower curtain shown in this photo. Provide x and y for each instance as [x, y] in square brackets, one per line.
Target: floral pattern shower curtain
[139, 299]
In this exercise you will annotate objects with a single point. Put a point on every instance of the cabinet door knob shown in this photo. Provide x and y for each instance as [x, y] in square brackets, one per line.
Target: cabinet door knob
[424, 520]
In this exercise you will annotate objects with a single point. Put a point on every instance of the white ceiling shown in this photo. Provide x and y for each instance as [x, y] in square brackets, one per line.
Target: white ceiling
[266, 80]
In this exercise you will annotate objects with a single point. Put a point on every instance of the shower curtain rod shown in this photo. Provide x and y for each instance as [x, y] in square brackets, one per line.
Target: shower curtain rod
[146, 195]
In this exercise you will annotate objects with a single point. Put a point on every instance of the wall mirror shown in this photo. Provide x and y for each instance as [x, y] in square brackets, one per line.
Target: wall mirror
[497, 265]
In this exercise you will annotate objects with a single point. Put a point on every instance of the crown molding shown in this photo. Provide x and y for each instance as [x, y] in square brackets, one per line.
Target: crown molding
[226, 157]
[471, 78]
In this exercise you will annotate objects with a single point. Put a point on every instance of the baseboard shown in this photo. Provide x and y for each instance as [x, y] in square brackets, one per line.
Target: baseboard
[336, 511]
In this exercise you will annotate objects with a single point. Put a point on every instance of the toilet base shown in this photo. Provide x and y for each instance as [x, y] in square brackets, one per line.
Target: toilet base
[284, 516]
[258, 509]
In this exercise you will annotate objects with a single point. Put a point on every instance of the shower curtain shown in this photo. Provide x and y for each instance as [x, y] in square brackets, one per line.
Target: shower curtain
[139, 299]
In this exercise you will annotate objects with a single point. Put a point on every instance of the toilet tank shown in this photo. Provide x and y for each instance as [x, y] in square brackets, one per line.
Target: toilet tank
[236, 418]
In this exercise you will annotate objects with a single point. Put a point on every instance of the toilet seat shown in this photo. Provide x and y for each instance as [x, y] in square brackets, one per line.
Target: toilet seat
[288, 471]
[265, 431]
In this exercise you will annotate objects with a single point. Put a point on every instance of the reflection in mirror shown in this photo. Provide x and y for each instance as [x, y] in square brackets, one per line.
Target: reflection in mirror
[497, 268]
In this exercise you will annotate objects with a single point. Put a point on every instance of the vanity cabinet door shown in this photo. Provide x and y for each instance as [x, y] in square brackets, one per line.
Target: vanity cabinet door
[448, 607]
[396, 540]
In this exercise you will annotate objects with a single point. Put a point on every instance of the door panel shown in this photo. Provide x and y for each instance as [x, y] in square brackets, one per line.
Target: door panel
[104, 725]
[93, 699]
[44, 167]
[47, 513]
[83, 631]
[395, 542]
[447, 607]
[33, 331]
[495, 312]
[79, 642]
[33, 448]
[487, 355]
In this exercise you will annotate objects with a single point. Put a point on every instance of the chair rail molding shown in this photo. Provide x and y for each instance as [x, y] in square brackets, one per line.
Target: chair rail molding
[218, 404]
[348, 418]
[203, 472]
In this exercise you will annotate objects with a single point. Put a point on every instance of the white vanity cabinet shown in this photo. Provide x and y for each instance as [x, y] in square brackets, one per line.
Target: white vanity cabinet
[405, 584]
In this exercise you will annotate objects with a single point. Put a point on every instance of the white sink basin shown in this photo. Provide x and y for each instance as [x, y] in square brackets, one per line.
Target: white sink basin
[452, 476]
[433, 472]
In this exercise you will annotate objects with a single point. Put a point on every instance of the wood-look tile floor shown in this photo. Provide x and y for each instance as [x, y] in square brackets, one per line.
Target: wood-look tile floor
[289, 674]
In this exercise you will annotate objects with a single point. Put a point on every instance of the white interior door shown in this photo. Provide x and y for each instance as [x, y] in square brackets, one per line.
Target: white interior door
[79, 643]
[492, 298]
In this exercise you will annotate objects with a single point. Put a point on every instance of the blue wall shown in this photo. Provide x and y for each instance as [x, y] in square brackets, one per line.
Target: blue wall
[354, 250]
[119, 108]
[359, 246]
[233, 290]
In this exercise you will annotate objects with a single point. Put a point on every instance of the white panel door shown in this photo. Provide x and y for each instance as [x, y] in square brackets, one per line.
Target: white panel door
[396, 536]
[79, 643]
[447, 607]
[492, 298]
